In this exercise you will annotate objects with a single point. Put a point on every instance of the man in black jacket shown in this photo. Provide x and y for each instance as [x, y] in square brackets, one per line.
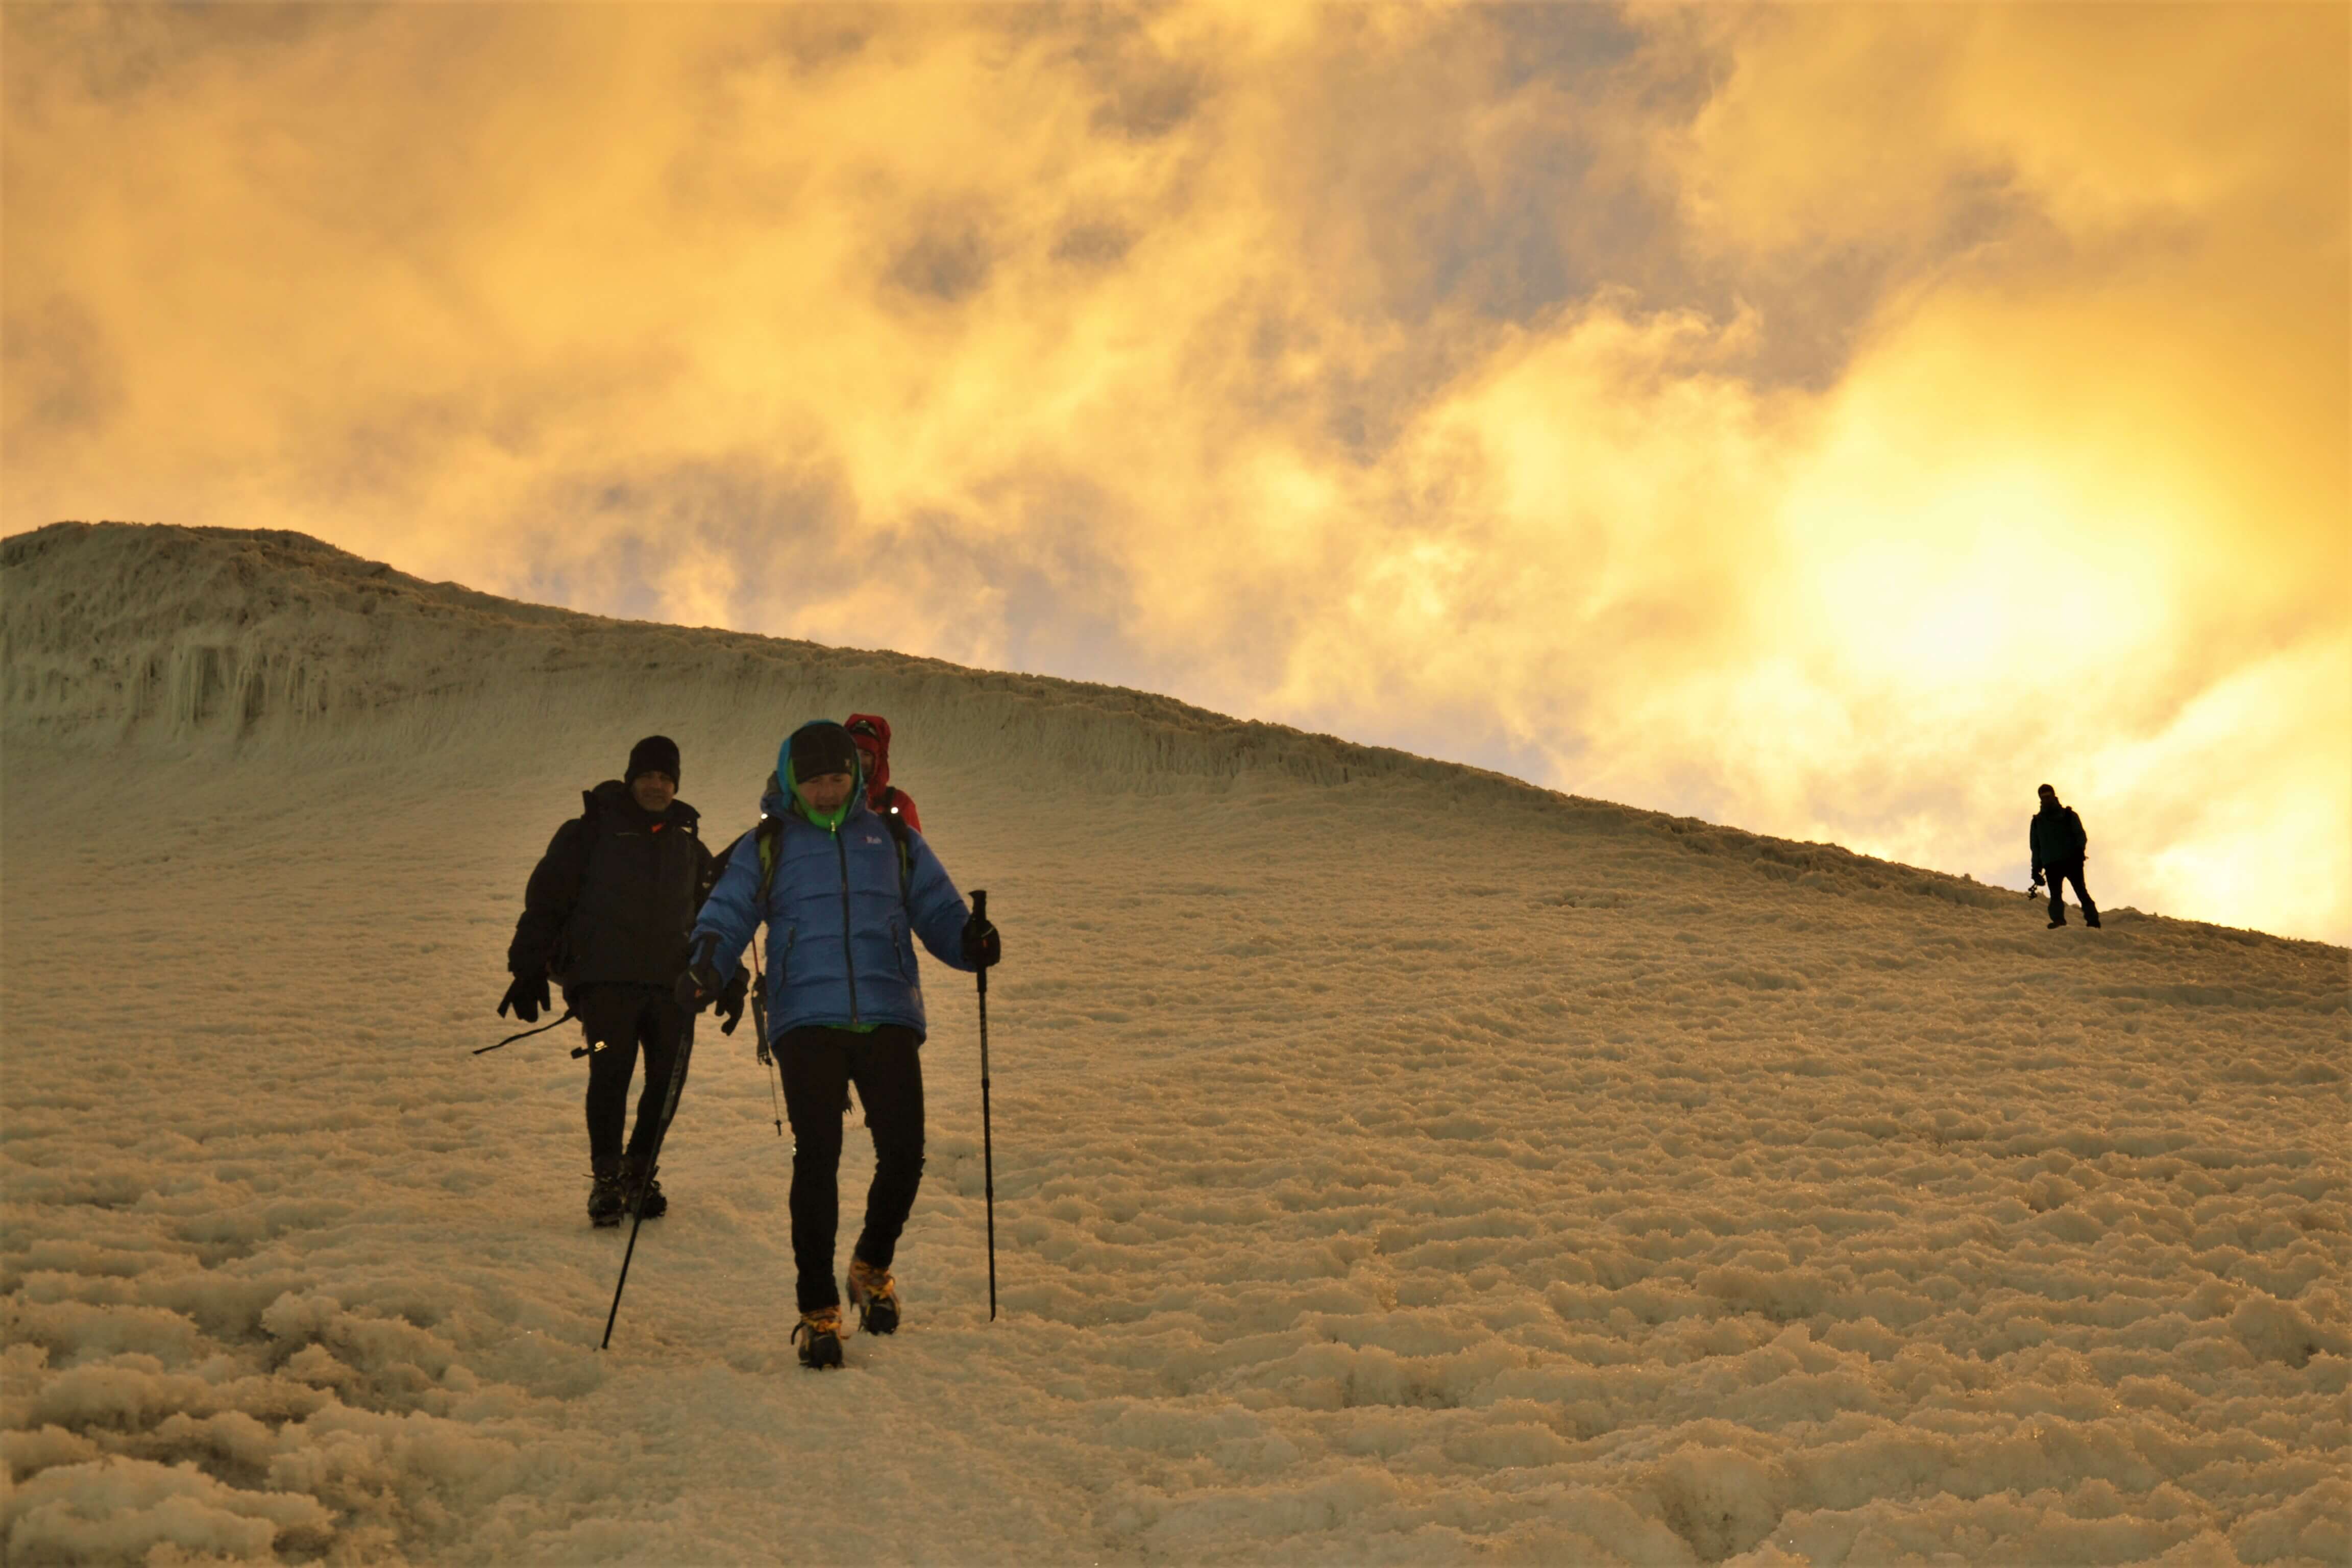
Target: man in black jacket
[2059, 845]
[607, 916]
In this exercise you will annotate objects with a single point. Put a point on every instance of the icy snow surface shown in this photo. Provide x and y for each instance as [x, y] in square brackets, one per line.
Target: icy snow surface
[1393, 1163]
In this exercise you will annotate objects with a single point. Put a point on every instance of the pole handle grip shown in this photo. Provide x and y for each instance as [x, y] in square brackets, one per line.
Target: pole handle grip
[980, 912]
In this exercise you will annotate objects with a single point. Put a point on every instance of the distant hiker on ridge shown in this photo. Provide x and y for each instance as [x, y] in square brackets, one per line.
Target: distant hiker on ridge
[872, 733]
[2059, 845]
[844, 892]
[607, 916]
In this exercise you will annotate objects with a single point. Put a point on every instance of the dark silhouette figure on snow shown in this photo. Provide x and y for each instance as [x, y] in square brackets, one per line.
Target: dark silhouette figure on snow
[2059, 845]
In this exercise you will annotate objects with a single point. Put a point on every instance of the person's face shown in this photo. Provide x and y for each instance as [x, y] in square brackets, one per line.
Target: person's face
[2049, 797]
[825, 792]
[654, 791]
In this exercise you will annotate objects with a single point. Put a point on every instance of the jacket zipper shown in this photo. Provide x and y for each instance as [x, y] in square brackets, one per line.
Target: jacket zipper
[848, 965]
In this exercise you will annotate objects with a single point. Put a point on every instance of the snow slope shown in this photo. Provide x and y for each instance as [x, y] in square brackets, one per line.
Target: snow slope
[1394, 1163]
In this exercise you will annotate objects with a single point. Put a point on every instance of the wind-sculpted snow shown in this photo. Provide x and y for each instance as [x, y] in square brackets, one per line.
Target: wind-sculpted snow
[1393, 1163]
[197, 636]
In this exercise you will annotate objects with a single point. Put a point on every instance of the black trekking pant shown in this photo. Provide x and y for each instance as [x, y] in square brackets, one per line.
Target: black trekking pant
[621, 1021]
[2058, 875]
[819, 1063]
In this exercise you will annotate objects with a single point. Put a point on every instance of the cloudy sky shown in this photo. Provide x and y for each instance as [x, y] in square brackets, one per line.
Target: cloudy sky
[1834, 421]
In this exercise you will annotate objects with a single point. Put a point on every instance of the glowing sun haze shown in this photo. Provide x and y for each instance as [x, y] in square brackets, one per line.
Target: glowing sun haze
[1834, 421]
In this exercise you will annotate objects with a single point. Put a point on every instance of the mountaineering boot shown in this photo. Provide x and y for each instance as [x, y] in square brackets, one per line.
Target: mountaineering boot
[876, 1296]
[655, 1206]
[819, 1336]
[2055, 924]
[607, 1202]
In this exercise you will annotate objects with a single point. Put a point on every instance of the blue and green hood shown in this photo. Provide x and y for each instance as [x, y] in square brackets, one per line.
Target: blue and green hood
[784, 791]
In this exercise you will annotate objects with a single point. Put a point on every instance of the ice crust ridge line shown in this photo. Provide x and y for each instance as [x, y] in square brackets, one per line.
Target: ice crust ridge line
[119, 632]
[264, 644]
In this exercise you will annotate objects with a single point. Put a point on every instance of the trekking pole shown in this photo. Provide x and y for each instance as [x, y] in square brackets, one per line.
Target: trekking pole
[645, 1179]
[527, 1033]
[987, 1145]
[767, 1057]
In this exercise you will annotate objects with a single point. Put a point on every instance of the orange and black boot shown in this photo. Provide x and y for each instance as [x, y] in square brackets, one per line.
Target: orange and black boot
[876, 1296]
[819, 1337]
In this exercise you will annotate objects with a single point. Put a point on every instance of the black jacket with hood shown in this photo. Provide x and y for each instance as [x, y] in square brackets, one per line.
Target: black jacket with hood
[612, 900]
[2057, 838]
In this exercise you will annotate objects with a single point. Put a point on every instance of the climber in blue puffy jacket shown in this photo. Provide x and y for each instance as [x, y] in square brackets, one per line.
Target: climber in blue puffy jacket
[845, 893]
[841, 916]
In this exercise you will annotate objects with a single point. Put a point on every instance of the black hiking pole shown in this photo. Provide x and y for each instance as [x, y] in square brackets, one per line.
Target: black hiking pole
[767, 1056]
[645, 1179]
[527, 1033]
[987, 1145]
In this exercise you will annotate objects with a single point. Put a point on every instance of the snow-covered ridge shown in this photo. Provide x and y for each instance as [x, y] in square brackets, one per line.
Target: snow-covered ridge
[116, 629]
[262, 641]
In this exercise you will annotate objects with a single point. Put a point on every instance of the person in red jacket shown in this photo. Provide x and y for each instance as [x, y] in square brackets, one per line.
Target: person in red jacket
[872, 733]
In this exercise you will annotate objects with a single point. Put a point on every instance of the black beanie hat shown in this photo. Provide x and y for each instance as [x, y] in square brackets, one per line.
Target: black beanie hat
[654, 754]
[818, 749]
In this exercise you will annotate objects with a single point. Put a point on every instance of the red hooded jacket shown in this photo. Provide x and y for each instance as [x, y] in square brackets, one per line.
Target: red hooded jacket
[872, 733]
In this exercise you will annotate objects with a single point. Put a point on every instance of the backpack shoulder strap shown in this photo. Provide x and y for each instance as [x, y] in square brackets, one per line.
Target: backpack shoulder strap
[898, 832]
[769, 835]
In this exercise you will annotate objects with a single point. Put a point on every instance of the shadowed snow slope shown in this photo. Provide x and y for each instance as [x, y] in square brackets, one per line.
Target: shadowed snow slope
[1394, 1163]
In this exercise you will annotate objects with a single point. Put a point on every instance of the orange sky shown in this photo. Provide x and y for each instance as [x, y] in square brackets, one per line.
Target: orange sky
[1834, 421]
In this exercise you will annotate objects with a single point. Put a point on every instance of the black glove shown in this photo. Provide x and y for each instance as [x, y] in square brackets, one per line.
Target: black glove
[700, 982]
[982, 949]
[732, 999]
[527, 997]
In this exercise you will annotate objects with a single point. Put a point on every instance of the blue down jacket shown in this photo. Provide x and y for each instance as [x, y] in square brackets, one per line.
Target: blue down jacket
[840, 938]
